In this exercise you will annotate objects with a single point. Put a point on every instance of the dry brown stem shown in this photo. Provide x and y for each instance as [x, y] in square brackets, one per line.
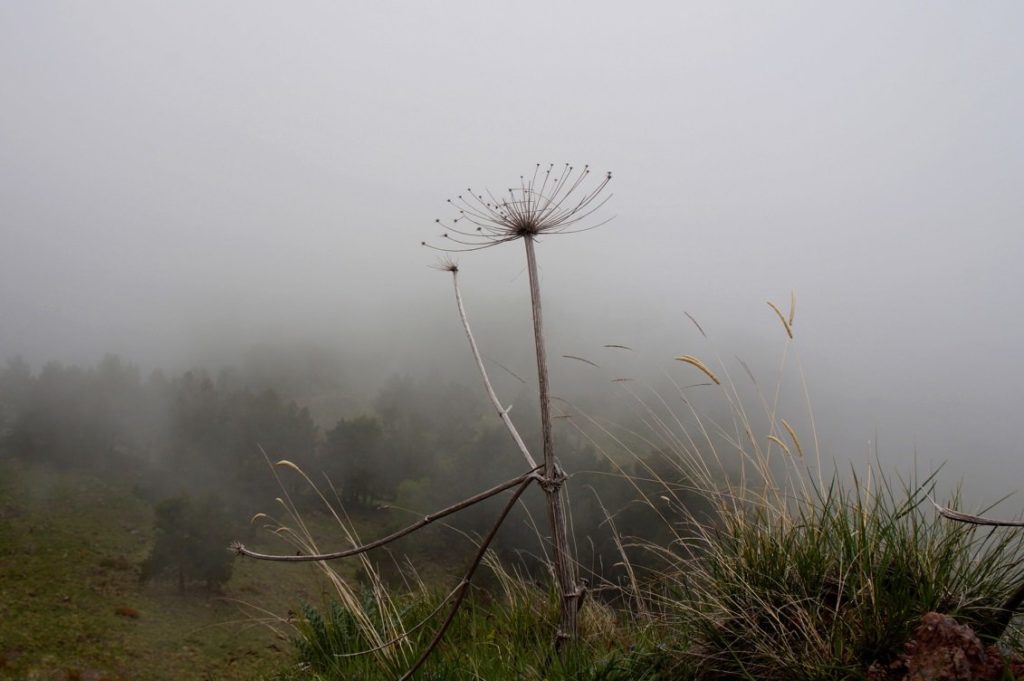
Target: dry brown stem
[426, 520]
[463, 587]
[564, 562]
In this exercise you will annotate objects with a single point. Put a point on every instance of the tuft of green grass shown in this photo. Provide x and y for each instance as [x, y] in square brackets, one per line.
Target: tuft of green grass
[365, 629]
[493, 638]
[781, 571]
[771, 570]
[824, 586]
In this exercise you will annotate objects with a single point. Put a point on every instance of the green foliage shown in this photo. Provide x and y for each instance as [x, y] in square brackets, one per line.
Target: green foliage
[215, 437]
[190, 540]
[353, 456]
[190, 432]
[70, 415]
[492, 639]
[425, 445]
[70, 546]
[15, 390]
[837, 581]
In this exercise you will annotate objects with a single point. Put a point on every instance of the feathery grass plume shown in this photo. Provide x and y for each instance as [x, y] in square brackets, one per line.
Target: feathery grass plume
[693, 361]
[782, 318]
[285, 463]
[792, 436]
[780, 443]
[546, 202]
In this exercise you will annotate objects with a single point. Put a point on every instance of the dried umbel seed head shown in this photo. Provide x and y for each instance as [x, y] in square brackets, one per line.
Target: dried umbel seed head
[446, 264]
[546, 202]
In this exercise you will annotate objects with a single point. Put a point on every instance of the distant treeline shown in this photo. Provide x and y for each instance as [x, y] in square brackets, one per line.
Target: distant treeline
[419, 447]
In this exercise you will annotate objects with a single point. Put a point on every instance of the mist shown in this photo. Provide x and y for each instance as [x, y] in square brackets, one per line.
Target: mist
[183, 185]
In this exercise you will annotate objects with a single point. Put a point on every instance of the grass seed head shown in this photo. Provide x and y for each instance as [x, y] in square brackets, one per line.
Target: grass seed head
[693, 361]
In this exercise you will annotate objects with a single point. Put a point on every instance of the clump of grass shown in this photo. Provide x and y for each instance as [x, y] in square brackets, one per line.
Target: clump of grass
[504, 635]
[825, 586]
[779, 573]
[372, 614]
[369, 630]
[783, 571]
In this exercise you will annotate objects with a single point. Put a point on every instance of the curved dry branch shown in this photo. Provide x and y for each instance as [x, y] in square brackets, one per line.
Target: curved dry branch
[527, 477]
[1016, 599]
[502, 411]
[969, 519]
[464, 584]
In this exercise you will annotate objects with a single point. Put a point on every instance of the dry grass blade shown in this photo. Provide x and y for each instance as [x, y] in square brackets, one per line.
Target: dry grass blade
[506, 369]
[782, 318]
[696, 323]
[792, 306]
[582, 359]
[693, 361]
[746, 368]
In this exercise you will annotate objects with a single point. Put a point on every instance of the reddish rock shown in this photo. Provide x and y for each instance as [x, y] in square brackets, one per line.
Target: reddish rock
[943, 650]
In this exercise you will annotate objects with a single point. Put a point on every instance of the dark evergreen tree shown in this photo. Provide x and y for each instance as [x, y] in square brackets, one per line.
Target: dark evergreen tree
[189, 544]
[353, 459]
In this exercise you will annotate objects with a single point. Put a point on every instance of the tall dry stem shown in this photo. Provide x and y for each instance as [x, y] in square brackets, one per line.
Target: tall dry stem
[546, 202]
[565, 564]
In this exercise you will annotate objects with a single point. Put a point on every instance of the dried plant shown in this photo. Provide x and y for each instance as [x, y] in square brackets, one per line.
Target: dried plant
[548, 202]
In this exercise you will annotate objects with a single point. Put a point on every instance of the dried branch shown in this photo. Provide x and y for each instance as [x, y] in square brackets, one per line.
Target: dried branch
[1016, 599]
[502, 411]
[549, 202]
[464, 584]
[960, 517]
[241, 550]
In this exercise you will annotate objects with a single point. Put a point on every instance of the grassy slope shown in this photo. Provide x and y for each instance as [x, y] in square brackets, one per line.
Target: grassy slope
[69, 547]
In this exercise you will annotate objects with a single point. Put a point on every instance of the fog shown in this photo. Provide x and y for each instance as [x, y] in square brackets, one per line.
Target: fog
[183, 182]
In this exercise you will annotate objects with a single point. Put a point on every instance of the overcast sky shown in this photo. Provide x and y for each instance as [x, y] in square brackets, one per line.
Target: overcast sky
[176, 175]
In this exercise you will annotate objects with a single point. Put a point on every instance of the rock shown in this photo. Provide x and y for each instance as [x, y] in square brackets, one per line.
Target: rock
[942, 649]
